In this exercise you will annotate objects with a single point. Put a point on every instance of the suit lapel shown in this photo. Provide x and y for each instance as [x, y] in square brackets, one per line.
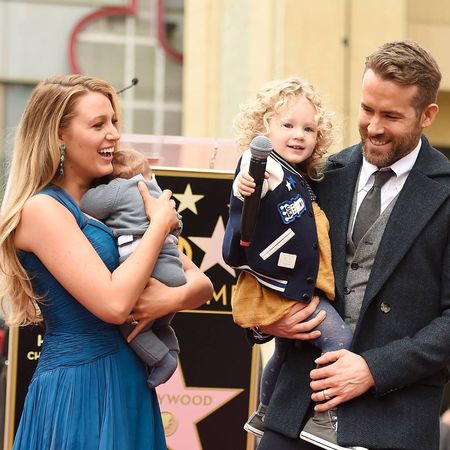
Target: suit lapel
[418, 201]
[336, 200]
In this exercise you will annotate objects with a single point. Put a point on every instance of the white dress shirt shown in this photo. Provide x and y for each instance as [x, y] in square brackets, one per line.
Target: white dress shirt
[393, 186]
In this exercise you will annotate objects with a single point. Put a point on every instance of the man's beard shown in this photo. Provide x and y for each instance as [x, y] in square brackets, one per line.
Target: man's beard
[398, 148]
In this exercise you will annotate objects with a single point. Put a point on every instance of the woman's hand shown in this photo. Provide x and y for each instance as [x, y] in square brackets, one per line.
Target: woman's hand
[160, 210]
[294, 325]
[158, 300]
[155, 302]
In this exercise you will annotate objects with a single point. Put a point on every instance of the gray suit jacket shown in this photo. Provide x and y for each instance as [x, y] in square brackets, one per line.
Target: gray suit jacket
[408, 348]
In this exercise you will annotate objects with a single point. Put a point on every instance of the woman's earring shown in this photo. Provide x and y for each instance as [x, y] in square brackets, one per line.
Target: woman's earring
[62, 155]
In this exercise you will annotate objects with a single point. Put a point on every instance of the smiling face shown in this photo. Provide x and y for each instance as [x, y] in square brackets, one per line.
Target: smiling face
[293, 130]
[90, 138]
[389, 125]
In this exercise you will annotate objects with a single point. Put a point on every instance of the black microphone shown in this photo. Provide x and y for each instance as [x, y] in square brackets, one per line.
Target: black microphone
[134, 82]
[260, 148]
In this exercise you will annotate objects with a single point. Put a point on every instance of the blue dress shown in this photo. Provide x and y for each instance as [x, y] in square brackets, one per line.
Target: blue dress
[89, 390]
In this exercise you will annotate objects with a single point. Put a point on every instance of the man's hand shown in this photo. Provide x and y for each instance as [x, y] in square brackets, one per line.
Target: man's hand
[295, 324]
[344, 375]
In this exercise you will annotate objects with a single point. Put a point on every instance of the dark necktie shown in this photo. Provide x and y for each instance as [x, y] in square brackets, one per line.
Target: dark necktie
[370, 207]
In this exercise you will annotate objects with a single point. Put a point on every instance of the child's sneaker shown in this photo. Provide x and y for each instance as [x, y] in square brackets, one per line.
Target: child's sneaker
[255, 424]
[321, 430]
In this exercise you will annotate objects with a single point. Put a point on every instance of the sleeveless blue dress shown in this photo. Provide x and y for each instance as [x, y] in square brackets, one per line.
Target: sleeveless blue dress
[89, 390]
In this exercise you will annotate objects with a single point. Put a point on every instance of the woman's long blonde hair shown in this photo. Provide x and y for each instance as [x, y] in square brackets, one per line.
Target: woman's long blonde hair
[254, 117]
[34, 165]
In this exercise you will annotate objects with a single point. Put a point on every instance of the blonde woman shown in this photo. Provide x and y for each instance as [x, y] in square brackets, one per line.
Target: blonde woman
[58, 265]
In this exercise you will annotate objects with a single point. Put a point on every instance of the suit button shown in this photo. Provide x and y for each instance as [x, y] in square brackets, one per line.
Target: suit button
[315, 246]
[354, 266]
[305, 297]
[310, 280]
[347, 290]
[310, 213]
[385, 307]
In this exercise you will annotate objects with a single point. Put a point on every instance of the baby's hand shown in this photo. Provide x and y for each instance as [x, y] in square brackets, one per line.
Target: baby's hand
[245, 184]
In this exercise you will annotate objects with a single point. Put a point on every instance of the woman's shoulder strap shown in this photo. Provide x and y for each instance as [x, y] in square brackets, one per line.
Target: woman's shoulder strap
[67, 201]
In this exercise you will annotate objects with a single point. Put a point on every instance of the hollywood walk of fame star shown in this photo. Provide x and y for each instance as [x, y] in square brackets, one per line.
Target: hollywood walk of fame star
[188, 200]
[183, 407]
[212, 246]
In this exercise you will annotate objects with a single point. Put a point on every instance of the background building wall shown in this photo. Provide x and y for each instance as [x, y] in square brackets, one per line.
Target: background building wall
[429, 24]
[232, 47]
[122, 41]
[229, 49]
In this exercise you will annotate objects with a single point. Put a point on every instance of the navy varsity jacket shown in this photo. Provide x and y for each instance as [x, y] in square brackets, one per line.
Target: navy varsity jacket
[284, 250]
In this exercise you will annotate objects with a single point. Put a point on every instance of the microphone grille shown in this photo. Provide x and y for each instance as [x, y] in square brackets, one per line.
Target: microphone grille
[260, 147]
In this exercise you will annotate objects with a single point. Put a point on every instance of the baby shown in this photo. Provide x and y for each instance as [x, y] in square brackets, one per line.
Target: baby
[119, 205]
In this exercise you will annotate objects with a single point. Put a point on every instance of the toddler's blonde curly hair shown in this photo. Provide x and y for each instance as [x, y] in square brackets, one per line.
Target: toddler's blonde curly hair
[254, 117]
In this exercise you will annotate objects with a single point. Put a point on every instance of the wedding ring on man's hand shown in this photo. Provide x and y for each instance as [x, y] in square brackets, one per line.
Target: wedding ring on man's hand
[133, 320]
[325, 395]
